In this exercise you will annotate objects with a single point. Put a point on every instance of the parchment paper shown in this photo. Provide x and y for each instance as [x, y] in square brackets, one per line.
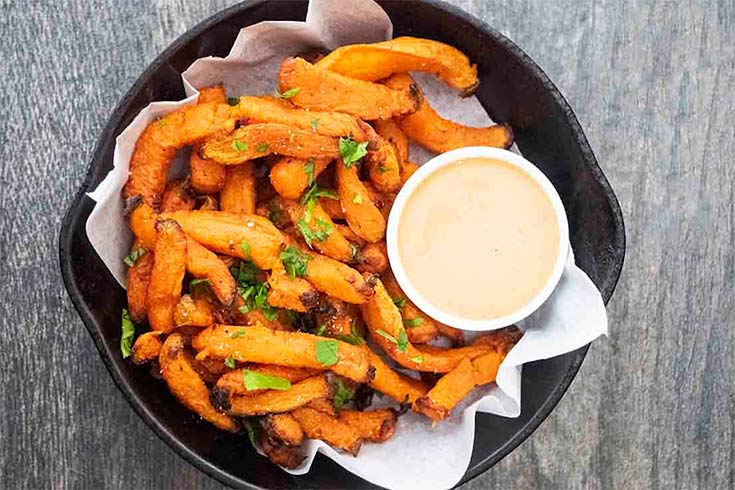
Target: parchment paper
[419, 455]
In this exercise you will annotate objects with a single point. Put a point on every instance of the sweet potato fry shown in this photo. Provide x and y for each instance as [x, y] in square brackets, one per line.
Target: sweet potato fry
[371, 425]
[361, 214]
[317, 229]
[337, 279]
[453, 334]
[247, 237]
[287, 456]
[451, 388]
[207, 176]
[146, 347]
[430, 130]
[422, 328]
[291, 176]
[346, 231]
[337, 318]
[157, 146]
[324, 405]
[238, 194]
[372, 62]
[139, 275]
[186, 385]
[318, 425]
[142, 221]
[393, 384]
[408, 170]
[324, 90]
[176, 196]
[193, 312]
[390, 130]
[215, 93]
[384, 168]
[277, 401]
[333, 208]
[169, 266]
[203, 264]
[295, 349]
[272, 110]
[284, 428]
[372, 258]
[263, 139]
[231, 383]
[295, 294]
[386, 326]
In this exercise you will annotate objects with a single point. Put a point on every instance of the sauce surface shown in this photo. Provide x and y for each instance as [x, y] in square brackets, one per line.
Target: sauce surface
[478, 238]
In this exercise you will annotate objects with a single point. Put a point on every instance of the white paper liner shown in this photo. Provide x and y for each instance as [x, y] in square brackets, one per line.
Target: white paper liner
[419, 455]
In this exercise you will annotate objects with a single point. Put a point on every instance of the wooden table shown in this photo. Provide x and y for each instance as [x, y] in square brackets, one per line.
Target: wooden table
[652, 83]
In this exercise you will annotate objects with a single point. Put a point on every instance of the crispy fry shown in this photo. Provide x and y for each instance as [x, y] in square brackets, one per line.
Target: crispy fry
[372, 258]
[453, 334]
[437, 404]
[346, 231]
[146, 347]
[176, 196]
[337, 317]
[371, 425]
[284, 428]
[290, 176]
[430, 130]
[296, 349]
[324, 405]
[318, 425]
[203, 264]
[238, 195]
[231, 383]
[215, 93]
[157, 146]
[337, 279]
[209, 203]
[294, 294]
[390, 130]
[287, 456]
[333, 208]
[323, 90]
[385, 324]
[317, 224]
[142, 223]
[384, 167]
[169, 266]
[423, 328]
[263, 139]
[207, 176]
[226, 233]
[361, 214]
[191, 312]
[393, 384]
[277, 401]
[186, 385]
[372, 62]
[408, 170]
[271, 110]
[139, 275]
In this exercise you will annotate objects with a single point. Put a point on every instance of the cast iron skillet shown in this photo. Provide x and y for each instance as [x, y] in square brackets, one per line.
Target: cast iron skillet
[512, 89]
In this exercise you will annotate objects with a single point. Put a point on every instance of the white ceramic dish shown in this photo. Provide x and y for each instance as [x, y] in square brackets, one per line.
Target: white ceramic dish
[450, 158]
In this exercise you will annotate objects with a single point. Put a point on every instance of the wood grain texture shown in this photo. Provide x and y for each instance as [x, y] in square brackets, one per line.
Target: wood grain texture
[652, 83]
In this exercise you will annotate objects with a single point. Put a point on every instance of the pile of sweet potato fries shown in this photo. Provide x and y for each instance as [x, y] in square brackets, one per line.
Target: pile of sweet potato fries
[263, 273]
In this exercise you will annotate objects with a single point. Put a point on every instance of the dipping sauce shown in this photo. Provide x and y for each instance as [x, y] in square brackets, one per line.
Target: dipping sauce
[478, 238]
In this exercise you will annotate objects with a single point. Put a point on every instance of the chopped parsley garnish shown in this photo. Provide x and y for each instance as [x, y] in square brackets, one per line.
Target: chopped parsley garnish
[253, 292]
[321, 330]
[327, 352]
[194, 283]
[357, 199]
[413, 322]
[401, 342]
[351, 151]
[245, 247]
[128, 332]
[309, 171]
[355, 250]
[288, 94]
[353, 337]
[399, 302]
[134, 255]
[343, 395]
[314, 124]
[319, 234]
[238, 145]
[311, 195]
[262, 147]
[240, 332]
[383, 169]
[418, 359]
[253, 380]
[233, 101]
[294, 260]
[230, 362]
[252, 432]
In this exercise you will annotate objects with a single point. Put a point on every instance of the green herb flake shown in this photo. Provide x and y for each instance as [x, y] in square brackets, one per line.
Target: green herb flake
[355, 250]
[319, 234]
[294, 261]
[195, 283]
[134, 255]
[418, 359]
[413, 322]
[351, 151]
[262, 147]
[321, 330]
[310, 197]
[230, 362]
[401, 342]
[240, 332]
[327, 352]
[383, 169]
[309, 171]
[252, 432]
[253, 380]
[343, 395]
[289, 94]
[357, 199]
[128, 332]
[314, 124]
[238, 145]
[233, 101]
[245, 247]
[399, 302]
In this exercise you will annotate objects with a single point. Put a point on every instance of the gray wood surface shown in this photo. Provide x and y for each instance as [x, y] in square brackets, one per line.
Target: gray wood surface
[652, 83]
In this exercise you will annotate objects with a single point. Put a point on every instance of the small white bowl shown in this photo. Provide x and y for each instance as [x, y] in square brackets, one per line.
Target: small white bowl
[449, 158]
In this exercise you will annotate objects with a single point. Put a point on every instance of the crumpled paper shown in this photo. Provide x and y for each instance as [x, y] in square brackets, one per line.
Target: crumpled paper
[419, 455]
